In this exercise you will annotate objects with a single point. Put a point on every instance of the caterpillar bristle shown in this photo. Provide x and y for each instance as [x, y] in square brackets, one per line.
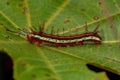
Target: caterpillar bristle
[96, 29]
[41, 28]
[57, 32]
[52, 30]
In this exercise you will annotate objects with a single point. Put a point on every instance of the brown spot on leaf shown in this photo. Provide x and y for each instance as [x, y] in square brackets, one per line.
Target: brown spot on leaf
[7, 3]
[20, 5]
[100, 3]
[110, 45]
[23, 63]
[25, 10]
[1, 23]
[22, 0]
[56, 60]
[48, 75]
[104, 11]
[111, 26]
[97, 79]
[96, 17]
[76, 64]
[8, 37]
[68, 17]
[33, 75]
[83, 9]
[114, 3]
[66, 21]
[119, 46]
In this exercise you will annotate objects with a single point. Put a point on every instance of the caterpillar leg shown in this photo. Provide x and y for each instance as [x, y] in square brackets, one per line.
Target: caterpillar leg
[37, 42]
[67, 45]
[97, 42]
[80, 43]
[58, 45]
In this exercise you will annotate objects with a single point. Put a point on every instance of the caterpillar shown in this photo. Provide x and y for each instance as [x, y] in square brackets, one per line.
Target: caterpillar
[40, 37]
[79, 39]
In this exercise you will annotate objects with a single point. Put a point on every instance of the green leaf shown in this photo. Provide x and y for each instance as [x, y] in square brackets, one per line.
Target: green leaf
[48, 62]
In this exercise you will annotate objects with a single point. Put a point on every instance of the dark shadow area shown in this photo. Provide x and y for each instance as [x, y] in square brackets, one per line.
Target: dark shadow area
[111, 76]
[6, 67]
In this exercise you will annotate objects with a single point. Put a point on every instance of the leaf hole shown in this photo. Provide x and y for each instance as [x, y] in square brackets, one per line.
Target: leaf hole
[110, 75]
[6, 66]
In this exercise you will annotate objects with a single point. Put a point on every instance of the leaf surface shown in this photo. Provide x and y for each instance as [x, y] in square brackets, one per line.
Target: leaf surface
[51, 63]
